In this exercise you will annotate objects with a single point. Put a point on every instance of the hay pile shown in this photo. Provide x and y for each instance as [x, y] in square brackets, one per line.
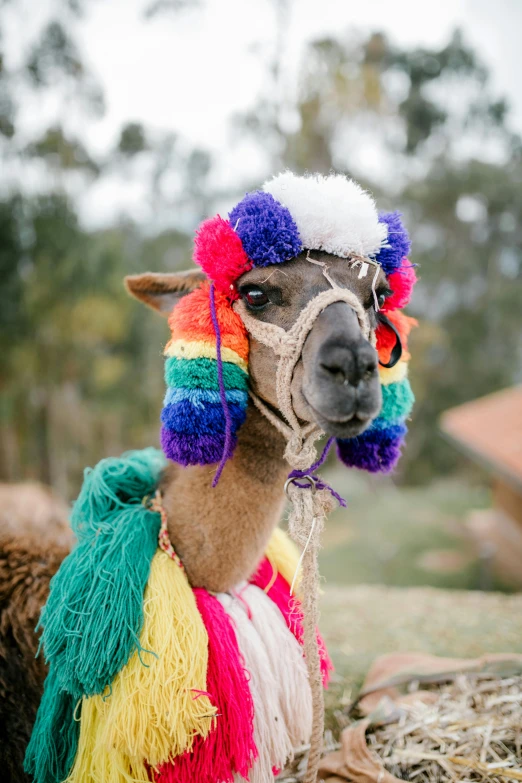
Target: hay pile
[469, 729]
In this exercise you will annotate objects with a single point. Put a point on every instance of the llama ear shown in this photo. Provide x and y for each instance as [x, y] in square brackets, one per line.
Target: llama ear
[163, 291]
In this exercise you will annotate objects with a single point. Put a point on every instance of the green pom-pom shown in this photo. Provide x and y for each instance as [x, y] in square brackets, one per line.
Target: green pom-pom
[397, 400]
[202, 374]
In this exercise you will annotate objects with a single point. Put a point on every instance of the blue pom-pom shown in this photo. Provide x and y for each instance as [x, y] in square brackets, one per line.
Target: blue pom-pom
[200, 397]
[206, 419]
[267, 229]
[397, 245]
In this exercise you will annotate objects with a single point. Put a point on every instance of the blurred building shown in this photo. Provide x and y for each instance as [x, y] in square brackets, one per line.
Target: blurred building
[489, 432]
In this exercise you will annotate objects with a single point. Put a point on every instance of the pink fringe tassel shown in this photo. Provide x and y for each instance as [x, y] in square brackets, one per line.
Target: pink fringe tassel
[290, 608]
[230, 747]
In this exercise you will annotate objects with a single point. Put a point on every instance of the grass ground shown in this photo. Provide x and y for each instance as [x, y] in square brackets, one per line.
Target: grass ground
[362, 622]
[403, 536]
[401, 573]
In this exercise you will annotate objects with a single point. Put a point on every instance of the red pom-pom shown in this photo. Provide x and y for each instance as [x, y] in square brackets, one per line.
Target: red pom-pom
[401, 283]
[219, 252]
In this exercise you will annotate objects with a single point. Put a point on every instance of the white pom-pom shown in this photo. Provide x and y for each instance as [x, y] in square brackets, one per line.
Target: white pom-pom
[332, 213]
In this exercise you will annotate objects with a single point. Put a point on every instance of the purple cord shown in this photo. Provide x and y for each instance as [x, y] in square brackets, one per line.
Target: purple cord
[316, 465]
[319, 483]
[324, 485]
[227, 448]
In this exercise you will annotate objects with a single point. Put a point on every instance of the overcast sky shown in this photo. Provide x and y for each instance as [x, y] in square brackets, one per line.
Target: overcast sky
[188, 72]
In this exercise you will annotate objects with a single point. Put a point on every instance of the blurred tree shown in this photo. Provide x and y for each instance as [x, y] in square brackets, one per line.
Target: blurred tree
[61, 152]
[54, 55]
[132, 139]
[80, 374]
[173, 6]
[467, 237]
[54, 59]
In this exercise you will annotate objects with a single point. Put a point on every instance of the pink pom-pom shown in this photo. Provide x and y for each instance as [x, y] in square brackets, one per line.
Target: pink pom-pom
[401, 283]
[219, 252]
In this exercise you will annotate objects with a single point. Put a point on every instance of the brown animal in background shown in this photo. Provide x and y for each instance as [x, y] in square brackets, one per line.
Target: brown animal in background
[31, 507]
[27, 565]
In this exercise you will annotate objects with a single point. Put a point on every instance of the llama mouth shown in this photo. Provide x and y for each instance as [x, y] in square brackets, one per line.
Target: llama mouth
[347, 426]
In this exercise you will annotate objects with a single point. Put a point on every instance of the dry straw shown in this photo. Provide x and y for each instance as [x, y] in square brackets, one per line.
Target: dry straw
[469, 729]
[473, 731]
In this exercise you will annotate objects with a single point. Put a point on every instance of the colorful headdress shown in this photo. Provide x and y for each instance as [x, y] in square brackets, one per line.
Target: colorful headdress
[207, 356]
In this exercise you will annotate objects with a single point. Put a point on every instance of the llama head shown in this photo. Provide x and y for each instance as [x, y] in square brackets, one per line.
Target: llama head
[277, 250]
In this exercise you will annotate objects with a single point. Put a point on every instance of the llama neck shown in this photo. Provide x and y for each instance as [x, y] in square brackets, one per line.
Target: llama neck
[221, 533]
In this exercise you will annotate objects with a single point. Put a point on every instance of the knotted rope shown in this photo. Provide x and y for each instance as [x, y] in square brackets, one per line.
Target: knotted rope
[311, 499]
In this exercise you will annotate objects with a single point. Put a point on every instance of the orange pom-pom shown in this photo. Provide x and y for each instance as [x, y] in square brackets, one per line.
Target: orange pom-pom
[191, 320]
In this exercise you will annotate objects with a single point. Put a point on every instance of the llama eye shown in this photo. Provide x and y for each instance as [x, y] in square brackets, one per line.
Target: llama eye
[382, 296]
[255, 297]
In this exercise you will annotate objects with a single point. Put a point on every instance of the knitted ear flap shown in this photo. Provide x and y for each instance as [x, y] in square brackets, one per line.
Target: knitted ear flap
[194, 418]
[378, 448]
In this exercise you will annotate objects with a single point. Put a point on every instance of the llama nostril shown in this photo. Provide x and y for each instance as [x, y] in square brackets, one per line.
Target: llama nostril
[336, 372]
[367, 368]
[348, 365]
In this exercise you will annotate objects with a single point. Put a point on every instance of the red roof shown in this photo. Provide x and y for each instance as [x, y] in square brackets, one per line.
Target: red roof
[489, 430]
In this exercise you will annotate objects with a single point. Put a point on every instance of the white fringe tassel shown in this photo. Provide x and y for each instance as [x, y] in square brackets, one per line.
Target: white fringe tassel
[287, 662]
[271, 738]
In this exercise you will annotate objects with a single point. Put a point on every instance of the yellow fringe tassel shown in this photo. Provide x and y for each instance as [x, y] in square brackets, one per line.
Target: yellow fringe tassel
[199, 349]
[156, 705]
[284, 555]
[393, 374]
[94, 763]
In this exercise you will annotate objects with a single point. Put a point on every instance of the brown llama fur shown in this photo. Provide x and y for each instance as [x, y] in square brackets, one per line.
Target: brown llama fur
[26, 567]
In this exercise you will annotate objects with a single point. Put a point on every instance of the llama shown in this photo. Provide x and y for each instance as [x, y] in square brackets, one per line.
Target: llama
[307, 252]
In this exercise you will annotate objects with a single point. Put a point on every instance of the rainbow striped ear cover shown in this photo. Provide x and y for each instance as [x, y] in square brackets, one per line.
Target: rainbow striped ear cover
[193, 417]
[268, 227]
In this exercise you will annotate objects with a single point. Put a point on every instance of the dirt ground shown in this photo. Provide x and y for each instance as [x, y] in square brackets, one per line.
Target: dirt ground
[361, 622]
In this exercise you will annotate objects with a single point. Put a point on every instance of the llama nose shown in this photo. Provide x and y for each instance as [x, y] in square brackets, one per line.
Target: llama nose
[348, 364]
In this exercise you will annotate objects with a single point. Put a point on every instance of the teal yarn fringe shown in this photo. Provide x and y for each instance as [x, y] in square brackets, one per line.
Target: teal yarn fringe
[111, 487]
[52, 749]
[93, 617]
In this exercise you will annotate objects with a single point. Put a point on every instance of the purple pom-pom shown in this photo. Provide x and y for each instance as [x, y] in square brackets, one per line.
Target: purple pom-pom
[397, 245]
[377, 450]
[192, 449]
[267, 230]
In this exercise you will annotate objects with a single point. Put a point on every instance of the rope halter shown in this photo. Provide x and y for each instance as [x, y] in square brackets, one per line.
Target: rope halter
[288, 345]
